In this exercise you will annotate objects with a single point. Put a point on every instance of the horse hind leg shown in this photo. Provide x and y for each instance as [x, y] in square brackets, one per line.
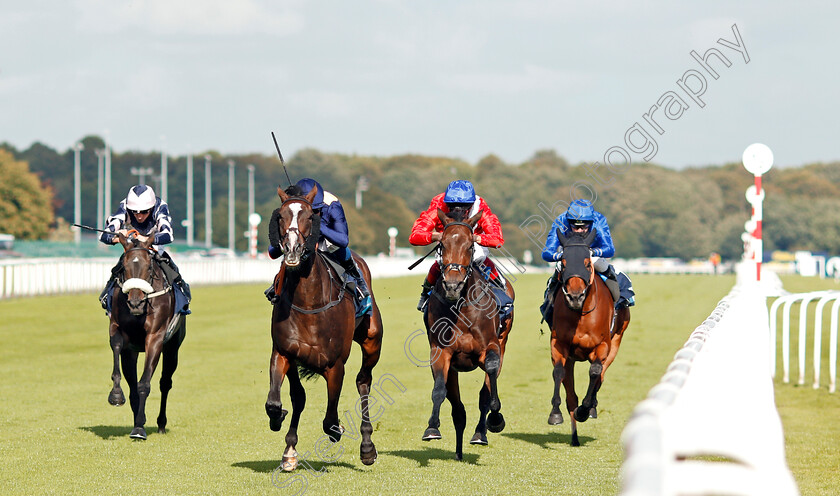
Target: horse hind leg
[335, 377]
[493, 366]
[170, 363]
[298, 397]
[370, 357]
[116, 396]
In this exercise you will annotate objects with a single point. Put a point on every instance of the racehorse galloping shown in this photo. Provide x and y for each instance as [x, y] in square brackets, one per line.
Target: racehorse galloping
[313, 325]
[581, 330]
[462, 323]
[143, 319]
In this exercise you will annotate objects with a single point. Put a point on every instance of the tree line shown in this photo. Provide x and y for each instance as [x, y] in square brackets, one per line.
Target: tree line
[653, 211]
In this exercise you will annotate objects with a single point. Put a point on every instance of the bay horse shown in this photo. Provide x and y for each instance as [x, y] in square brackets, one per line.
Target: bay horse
[462, 324]
[143, 318]
[583, 328]
[313, 325]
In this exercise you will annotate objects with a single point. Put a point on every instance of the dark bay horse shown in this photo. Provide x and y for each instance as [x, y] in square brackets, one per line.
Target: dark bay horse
[313, 325]
[462, 323]
[143, 319]
[583, 328]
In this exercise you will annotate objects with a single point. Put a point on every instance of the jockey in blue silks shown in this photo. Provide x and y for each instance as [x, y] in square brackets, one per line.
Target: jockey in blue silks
[580, 218]
[142, 211]
[333, 241]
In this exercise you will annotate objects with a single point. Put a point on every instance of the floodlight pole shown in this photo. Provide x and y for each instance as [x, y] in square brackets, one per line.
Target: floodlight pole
[77, 190]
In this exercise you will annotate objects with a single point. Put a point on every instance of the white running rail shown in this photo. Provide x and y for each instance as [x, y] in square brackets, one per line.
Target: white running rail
[691, 435]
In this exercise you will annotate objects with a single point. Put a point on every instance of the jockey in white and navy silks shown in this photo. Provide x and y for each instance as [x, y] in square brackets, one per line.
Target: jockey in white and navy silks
[143, 211]
[334, 238]
[582, 217]
[124, 216]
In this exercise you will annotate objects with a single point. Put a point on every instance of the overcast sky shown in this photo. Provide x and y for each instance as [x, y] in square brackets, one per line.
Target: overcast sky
[449, 78]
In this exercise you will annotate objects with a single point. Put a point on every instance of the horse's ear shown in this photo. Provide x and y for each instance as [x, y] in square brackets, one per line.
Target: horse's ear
[123, 240]
[560, 237]
[150, 238]
[475, 218]
[282, 194]
[443, 217]
[590, 237]
[311, 195]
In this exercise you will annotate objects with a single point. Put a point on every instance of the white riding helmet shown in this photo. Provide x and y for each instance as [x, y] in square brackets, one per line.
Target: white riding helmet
[140, 197]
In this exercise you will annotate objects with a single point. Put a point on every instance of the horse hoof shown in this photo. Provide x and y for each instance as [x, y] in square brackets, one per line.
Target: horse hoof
[479, 439]
[431, 433]
[555, 418]
[368, 456]
[334, 432]
[289, 463]
[593, 413]
[116, 397]
[575, 441]
[161, 430]
[582, 414]
[459, 456]
[495, 422]
[138, 433]
[275, 419]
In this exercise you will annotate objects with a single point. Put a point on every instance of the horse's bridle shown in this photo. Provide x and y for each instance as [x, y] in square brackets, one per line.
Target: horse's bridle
[144, 285]
[308, 247]
[455, 266]
[565, 277]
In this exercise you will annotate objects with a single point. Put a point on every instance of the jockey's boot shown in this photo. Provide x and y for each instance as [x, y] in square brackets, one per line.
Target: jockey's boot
[547, 307]
[612, 282]
[424, 295]
[362, 291]
[105, 296]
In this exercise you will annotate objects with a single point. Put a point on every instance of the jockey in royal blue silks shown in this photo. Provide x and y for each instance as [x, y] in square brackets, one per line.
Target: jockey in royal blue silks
[334, 240]
[142, 211]
[580, 218]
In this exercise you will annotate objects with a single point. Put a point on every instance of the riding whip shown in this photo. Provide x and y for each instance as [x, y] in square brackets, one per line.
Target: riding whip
[281, 157]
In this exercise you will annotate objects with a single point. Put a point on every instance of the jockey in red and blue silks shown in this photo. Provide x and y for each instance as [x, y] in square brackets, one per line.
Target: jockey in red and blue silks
[581, 217]
[334, 238]
[459, 197]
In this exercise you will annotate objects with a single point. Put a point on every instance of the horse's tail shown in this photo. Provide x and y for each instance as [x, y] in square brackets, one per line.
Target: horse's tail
[306, 373]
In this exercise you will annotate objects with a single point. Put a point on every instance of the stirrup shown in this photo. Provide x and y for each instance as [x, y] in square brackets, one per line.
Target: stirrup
[365, 306]
[424, 300]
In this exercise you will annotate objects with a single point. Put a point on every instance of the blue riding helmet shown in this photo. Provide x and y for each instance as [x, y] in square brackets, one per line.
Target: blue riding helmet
[459, 191]
[580, 210]
[306, 184]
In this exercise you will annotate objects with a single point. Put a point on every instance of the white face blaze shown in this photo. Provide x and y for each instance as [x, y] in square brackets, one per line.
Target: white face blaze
[293, 229]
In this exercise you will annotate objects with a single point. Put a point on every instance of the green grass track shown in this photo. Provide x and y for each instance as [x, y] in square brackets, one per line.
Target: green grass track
[58, 434]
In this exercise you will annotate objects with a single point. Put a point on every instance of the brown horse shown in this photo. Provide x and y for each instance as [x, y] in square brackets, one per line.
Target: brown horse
[143, 319]
[462, 323]
[313, 325]
[583, 328]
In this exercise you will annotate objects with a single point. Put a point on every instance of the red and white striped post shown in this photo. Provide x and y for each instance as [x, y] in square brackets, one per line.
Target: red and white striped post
[757, 159]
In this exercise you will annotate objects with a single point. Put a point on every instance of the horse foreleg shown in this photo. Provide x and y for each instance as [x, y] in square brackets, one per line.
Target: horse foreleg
[459, 413]
[440, 370]
[480, 436]
[590, 400]
[571, 396]
[559, 360]
[116, 396]
[335, 378]
[144, 385]
[129, 368]
[371, 347]
[493, 366]
[277, 369]
[298, 397]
